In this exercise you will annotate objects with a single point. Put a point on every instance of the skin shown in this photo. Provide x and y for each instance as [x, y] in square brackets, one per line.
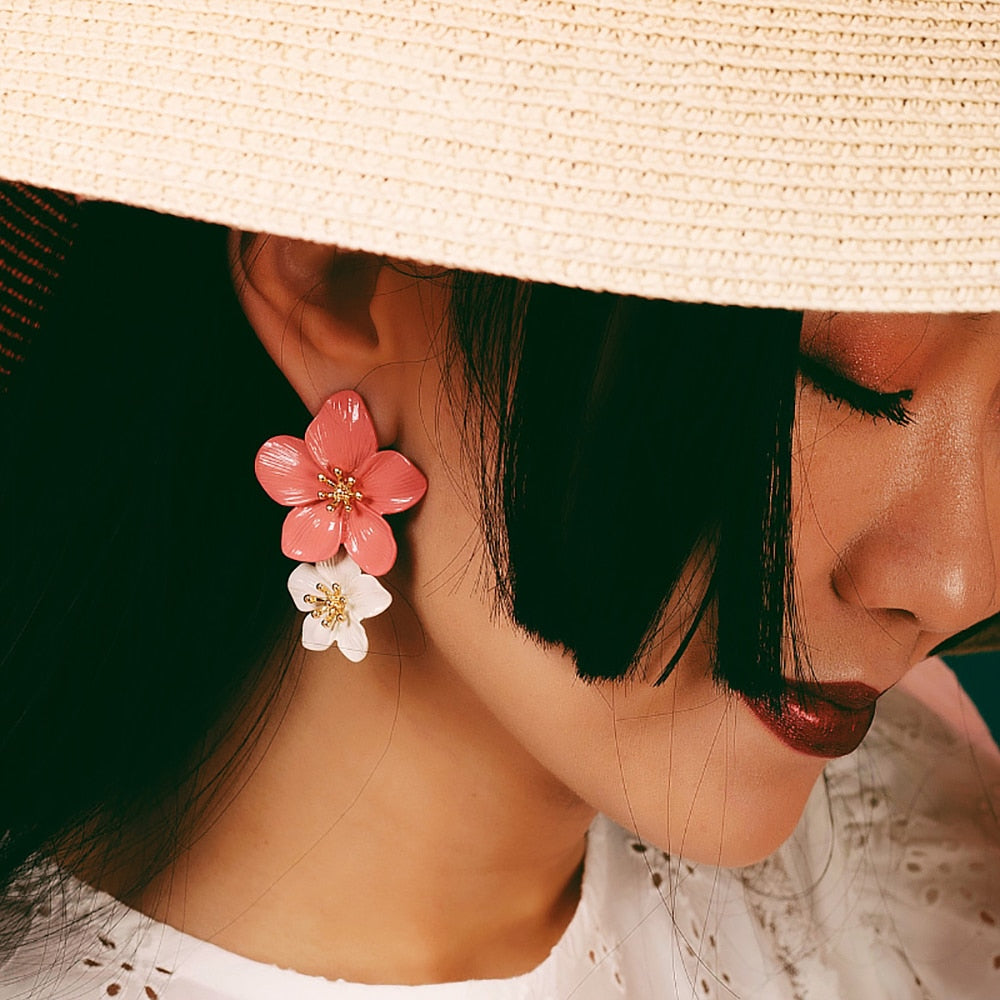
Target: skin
[421, 816]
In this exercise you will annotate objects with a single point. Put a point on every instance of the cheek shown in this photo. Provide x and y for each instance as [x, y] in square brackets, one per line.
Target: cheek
[840, 472]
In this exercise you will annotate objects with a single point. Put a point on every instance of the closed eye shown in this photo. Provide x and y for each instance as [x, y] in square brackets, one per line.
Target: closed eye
[839, 389]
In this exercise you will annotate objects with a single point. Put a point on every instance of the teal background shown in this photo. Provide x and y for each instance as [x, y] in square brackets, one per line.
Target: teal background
[980, 676]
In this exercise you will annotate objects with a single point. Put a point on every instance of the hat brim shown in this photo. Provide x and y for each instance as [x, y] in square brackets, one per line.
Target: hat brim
[806, 155]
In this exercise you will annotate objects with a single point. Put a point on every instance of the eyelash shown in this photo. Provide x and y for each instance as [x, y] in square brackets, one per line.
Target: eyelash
[890, 406]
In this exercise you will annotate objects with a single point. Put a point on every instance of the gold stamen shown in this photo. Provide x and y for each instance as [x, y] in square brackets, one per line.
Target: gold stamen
[342, 494]
[330, 607]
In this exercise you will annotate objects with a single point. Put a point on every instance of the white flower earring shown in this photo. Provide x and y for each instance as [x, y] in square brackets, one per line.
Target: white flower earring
[338, 485]
[337, 597]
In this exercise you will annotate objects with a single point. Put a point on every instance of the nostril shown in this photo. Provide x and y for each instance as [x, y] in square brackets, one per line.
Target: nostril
[940, 592]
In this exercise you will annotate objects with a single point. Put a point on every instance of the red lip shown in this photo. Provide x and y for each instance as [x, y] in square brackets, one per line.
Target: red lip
[824, 720]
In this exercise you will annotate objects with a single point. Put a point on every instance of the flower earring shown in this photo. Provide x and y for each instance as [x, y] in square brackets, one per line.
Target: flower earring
[338, 485]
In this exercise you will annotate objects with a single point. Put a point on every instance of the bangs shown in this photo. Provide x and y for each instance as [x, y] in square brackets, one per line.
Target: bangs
[637, 451]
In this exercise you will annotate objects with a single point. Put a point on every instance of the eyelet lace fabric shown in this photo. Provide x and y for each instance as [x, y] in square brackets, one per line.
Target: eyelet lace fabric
[889, 889]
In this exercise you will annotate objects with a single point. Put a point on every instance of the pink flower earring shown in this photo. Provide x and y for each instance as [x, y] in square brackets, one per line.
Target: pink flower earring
[338, 485]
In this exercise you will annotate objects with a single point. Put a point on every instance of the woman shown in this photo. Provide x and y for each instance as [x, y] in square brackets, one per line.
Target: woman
[650, 564]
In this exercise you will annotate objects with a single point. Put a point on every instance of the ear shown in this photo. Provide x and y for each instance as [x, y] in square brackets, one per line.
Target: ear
[333, 319]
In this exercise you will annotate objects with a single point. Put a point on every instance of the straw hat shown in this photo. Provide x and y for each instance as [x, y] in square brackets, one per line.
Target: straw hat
[799, 153]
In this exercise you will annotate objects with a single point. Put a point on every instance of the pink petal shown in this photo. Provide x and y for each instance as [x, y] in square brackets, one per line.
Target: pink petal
[390, 482]
[287, 471]
[312, 533]
[342, 435]
[369, 542]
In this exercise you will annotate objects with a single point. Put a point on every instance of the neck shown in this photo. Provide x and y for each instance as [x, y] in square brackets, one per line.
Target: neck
[388, 829]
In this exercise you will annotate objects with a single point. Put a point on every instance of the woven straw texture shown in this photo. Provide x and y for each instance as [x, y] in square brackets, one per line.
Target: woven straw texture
[837, 155]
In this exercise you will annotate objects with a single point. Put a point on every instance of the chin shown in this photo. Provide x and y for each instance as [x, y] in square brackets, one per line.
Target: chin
[741, 834]
[754, 842]
[753, 849]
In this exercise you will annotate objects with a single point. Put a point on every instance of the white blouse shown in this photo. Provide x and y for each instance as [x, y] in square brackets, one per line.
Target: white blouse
[889, 889]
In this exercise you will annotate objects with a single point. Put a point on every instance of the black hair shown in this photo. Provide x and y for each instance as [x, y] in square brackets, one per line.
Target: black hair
[142, 590]
[629, 435]
[138, 614]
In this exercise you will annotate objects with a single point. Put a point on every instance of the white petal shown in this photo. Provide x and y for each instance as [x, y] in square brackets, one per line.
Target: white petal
[316, 636]
[352, 640]
[302, 581]
[367, 597]
[340, 568]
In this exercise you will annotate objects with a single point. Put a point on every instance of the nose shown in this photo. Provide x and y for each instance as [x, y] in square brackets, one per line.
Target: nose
[928, 555]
